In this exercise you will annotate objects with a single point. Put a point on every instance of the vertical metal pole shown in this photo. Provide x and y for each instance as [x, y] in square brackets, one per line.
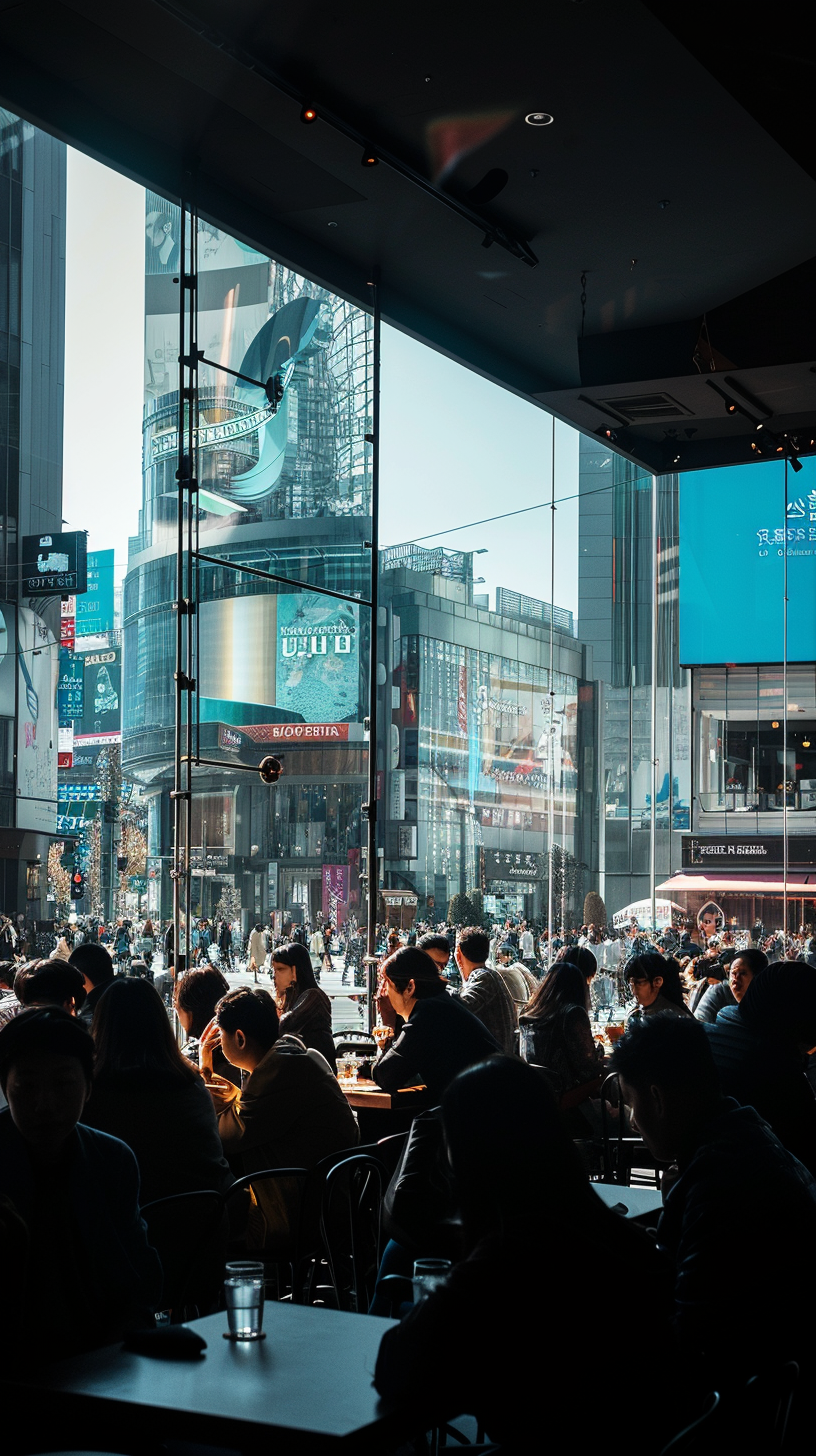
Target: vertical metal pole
[653, 815]
[177, 870]
[192, 498]
[372, 865]
[785, 710]
[551, 805]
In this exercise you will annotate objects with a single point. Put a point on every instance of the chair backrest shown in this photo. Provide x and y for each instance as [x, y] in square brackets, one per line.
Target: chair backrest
[274, 1190]
[189, 1233]
[390, 1150]
[350, 1217]
[354, 1036]
[768, 1401]
[357, 1048]
[702, 1437]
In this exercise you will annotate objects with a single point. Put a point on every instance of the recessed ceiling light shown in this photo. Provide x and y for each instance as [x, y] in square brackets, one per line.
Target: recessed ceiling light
[538, 118]
[331, 224]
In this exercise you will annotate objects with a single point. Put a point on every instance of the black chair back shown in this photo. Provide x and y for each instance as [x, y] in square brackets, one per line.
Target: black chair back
[189, 1233]
[702, 1437]
[350, 1227]
[359, 1047]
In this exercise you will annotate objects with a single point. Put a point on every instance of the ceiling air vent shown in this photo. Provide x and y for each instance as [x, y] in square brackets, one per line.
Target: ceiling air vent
[640, 409]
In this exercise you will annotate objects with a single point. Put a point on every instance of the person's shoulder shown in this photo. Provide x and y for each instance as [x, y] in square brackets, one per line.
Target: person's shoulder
[104, 1146]
[729, 1015]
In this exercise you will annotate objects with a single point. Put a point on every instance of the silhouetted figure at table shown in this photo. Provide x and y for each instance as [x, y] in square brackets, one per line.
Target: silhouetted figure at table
[303, 1008]
[290, 1111]
[90, 1273]
[97, 971]
[516, 1170]
[484, 992]
[739, 1222]
[146, 1093]
[51, 983]
[195, 997]
[557, 1035]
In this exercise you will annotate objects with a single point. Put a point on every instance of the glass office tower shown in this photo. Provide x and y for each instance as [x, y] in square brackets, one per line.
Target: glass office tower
[285, 489]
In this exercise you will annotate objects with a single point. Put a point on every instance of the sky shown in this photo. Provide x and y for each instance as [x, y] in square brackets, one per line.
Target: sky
[454, 447]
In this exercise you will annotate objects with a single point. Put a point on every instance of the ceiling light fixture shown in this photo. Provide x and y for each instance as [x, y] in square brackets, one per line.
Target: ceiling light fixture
[308, 115]
[774, 724]
[538, 118]
[369, 158]
[806, 743]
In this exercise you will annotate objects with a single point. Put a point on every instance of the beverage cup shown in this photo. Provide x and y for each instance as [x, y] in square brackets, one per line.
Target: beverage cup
[429, 1274]
[245, 1301]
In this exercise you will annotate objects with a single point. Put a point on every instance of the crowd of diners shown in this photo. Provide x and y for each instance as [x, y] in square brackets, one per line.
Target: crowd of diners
[106, 1113]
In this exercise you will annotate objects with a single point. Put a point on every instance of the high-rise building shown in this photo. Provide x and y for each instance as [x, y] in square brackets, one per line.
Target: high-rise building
[32, 349]
[284, 489]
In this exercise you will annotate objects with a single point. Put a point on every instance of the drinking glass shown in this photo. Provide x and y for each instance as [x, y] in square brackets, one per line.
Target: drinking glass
[429, 1274]
[245, 1301]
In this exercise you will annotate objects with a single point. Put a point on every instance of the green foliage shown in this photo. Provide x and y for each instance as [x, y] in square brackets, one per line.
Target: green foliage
[594, 909]
[462, 911]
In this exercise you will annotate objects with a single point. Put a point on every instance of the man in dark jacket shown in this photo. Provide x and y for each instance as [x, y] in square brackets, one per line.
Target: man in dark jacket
[96, 968]
[484, 992]
[733, 1315]
[90, 1273]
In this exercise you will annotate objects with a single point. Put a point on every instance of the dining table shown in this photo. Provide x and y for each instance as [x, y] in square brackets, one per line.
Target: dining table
[643, 1205]
[307, 1384]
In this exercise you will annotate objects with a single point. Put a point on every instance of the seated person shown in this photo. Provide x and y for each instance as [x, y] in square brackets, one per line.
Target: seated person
[91, 1274]
[195, 998]
[97, 971]
[738, 973]
[557, 1035]
[656, 986]
[740, 1220]
[51, 983]
[290, 1111]
[304, 1010]
[437, 947]
[520, 982]
[9, 1004]
[484, 992]
[515, 1170]
[146, 1093]
[761, 1047]
[440, 1036]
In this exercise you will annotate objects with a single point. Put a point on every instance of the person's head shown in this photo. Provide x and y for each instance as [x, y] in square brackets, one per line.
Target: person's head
[132, 1032]
[742, 970]
[472, 949]
[506, 954]
[669, 1079]
[248, 1022]
[8, 970]
[652, 975]
[710, 919]
[501, 1115]
[437, 947]
[292, 969]
[580, 956]
[780, 1005]
[563, 986]
[46, 1069]
[411, 975]
[196, 996]
[51, 983]
[93, 963]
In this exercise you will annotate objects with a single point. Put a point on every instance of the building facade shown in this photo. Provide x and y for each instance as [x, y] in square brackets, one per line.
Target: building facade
[32, 353]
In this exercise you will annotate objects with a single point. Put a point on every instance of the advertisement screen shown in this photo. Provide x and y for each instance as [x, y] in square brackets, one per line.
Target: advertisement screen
[94, 610]
[318, 657]
[54, 564]
[36, 724]
[735, 526]
[101, 720]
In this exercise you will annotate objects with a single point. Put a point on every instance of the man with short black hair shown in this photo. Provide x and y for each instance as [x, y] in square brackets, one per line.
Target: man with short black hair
[437, 947]
[484, 992]
[51, 983]
[96, 968]
[737, 1182]
[90, 1273]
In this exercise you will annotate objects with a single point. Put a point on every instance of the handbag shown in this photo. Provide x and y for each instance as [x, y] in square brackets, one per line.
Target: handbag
[419, 1207]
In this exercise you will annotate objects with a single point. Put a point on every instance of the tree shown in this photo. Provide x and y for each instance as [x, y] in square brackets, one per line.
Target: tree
[462, 911]
[594, 909]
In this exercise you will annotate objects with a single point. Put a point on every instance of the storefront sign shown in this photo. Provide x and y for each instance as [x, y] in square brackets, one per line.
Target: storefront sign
[335, 893]
[297, 732]
[54, 564]
[506, 865]
[747, 852]
[229, 737]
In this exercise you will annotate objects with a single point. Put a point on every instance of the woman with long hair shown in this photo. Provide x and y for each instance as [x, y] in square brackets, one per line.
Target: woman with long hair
[656, 985]
[146, 1093]
[557, 1034]
[195, 997]
[304, 1009]
[520, 1186]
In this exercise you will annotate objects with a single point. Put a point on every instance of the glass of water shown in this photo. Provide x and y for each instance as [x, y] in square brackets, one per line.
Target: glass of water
[244, 1294]
[429, 1274]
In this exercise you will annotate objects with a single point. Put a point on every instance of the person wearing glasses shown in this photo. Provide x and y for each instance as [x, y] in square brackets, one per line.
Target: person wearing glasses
[656, 986]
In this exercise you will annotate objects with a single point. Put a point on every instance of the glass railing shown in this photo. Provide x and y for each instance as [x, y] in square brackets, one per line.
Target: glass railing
[740, 801]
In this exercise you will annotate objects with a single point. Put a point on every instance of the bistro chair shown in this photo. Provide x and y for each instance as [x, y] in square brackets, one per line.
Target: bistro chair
[621, 1153]
[350, 1229]
[703, 1437]
[189, 1233]
[285, 1255]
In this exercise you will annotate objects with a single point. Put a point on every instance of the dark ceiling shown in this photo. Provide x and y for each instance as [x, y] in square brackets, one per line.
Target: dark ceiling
[678, 174]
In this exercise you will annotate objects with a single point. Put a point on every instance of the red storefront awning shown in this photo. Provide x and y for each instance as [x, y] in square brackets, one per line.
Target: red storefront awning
[801, 882]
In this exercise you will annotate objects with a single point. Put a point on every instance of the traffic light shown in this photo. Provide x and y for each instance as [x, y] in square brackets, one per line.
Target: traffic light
[77, 885]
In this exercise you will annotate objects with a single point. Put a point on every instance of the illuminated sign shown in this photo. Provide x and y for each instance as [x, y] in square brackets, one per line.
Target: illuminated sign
[318, 657]
[501, 865]
[297, 732]
[54, 563]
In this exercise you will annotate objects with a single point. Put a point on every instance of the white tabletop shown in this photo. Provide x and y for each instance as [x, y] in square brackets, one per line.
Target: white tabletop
[629, 1202]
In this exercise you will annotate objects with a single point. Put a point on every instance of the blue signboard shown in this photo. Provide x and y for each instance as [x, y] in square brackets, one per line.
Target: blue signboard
[735, 528]
[318, 657]
[94, 610]
[70, 688]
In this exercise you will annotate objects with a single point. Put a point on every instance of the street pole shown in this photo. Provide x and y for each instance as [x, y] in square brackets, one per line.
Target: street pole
[653, 815]
[372, 862]
[551, 804]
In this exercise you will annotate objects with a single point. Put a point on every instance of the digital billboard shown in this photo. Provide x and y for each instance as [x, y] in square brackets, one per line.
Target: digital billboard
[36, 724]
[101, 720]
[318, 657]
[54, 563]
[94, 610]
[735, 527]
